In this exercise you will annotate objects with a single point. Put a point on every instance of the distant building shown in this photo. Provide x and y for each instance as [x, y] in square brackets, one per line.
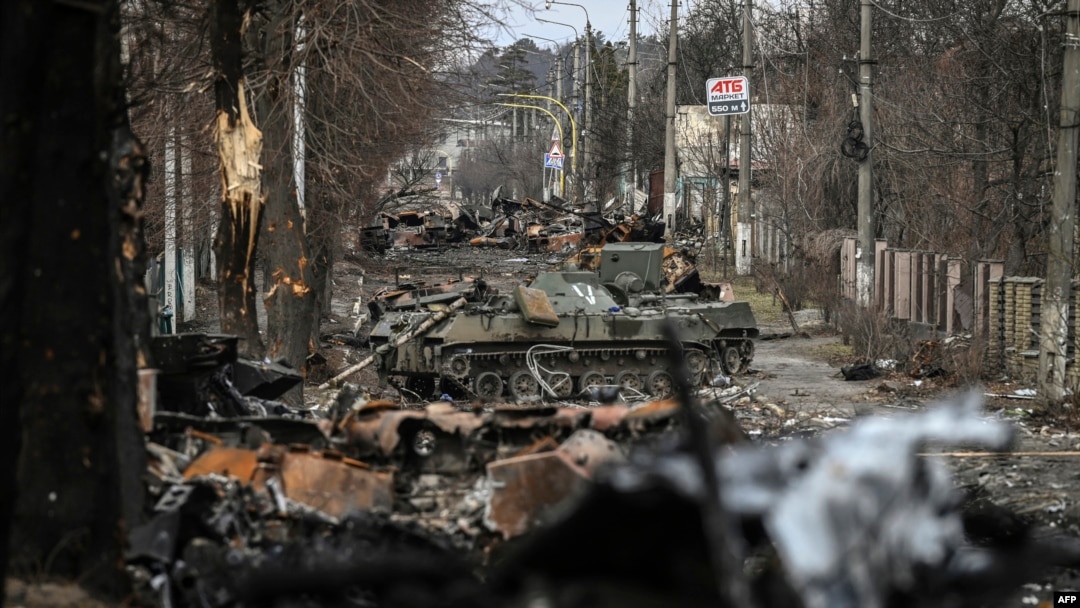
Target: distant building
[705, 150]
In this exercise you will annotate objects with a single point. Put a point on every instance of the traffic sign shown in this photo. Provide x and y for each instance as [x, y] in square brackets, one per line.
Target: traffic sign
[728, 95]
[553, 162]
[556, 151]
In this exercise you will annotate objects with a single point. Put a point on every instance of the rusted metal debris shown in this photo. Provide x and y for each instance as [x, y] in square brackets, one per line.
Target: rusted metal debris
[233, 491]
[406, 230]
[529, 489]
[246, 509]
[368, 501]
[323, 480]
[504, 223]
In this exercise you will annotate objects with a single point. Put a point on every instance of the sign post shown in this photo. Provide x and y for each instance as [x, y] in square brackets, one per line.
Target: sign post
[728, 95]
[553, 159]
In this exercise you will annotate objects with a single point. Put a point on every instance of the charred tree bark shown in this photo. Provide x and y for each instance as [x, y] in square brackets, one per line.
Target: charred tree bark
[289, 298]
[72, 179]
[239, 145]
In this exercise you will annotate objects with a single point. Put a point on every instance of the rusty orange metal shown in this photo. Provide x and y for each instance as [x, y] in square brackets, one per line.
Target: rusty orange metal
[530, 489]
[661, 408]
[607, 417]
[378, 432]
[545, 444]
[557, 242]
[535, 306]
[330, 483]
[233, 462]
[327, 480]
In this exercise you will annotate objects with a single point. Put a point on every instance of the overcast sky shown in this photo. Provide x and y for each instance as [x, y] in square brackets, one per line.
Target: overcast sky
[612, 17]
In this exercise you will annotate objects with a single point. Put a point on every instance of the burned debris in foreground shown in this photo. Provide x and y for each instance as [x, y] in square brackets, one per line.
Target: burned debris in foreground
[659, 502]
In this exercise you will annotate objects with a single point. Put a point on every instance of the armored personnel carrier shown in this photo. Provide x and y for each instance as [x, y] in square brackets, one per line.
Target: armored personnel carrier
[566, 334]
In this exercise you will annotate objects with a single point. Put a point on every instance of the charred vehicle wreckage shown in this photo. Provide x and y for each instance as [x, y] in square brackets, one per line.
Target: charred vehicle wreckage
[363, 503]
[567, 334]
[504, 223]
[566, 444]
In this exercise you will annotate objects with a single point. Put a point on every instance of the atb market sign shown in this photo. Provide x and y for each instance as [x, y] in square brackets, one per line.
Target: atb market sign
[728, 95]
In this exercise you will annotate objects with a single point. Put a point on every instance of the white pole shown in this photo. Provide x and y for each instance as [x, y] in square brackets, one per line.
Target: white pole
[169, 286]
[299, 107]
[188, 218]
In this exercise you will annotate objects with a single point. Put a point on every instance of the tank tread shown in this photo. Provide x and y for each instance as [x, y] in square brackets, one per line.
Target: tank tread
[608, 362]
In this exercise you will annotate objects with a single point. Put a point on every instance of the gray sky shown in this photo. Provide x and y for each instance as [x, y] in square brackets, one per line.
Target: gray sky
[612, 17]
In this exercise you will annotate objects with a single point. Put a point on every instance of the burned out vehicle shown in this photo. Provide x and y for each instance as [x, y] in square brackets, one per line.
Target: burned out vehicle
[405, 230]
[565, 335]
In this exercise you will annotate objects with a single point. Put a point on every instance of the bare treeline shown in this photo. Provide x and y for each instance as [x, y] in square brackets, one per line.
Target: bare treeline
[966, 96]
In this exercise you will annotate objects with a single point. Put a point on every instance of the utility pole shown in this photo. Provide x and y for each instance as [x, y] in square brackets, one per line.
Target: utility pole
[575, 97]
[630, 175]
[589, 178]
[1054, 332]
[669, 126]
[864, 269]
[558, 74]
[744, 229]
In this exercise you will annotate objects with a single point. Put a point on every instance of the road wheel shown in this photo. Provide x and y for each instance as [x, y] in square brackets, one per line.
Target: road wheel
[524, 387]
[731, 359]
[488, 386]
[660, 384]
[589, 380]
[746, 349]
[696, 361]
[562, 384]
[630, 380]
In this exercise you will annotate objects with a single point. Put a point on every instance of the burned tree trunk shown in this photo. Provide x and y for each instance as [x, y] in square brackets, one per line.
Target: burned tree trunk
[72, 249]
[239, 145]
[289, 297]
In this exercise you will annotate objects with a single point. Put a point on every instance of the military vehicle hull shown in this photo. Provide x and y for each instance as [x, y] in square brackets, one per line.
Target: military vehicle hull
[566, 336]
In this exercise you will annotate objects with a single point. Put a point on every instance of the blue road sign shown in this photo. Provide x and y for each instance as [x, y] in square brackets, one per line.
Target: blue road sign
[552, 163]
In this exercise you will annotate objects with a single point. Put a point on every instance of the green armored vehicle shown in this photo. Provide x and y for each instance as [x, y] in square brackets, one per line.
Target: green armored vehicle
[567, 334]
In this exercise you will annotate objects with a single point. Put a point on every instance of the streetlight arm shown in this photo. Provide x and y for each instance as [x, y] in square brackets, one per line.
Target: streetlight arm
[576, 35]
[532, 107]
[588, 21]
[562, 176]
[573, 125]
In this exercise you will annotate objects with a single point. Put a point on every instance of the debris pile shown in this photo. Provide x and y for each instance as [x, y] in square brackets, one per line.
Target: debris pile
[366, 503]
[537, 226]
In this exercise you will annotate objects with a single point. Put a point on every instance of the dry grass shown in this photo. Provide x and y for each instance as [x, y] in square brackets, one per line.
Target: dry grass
[767, 308]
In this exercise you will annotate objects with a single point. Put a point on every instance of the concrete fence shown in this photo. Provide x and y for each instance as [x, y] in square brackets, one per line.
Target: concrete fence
[939, 295]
